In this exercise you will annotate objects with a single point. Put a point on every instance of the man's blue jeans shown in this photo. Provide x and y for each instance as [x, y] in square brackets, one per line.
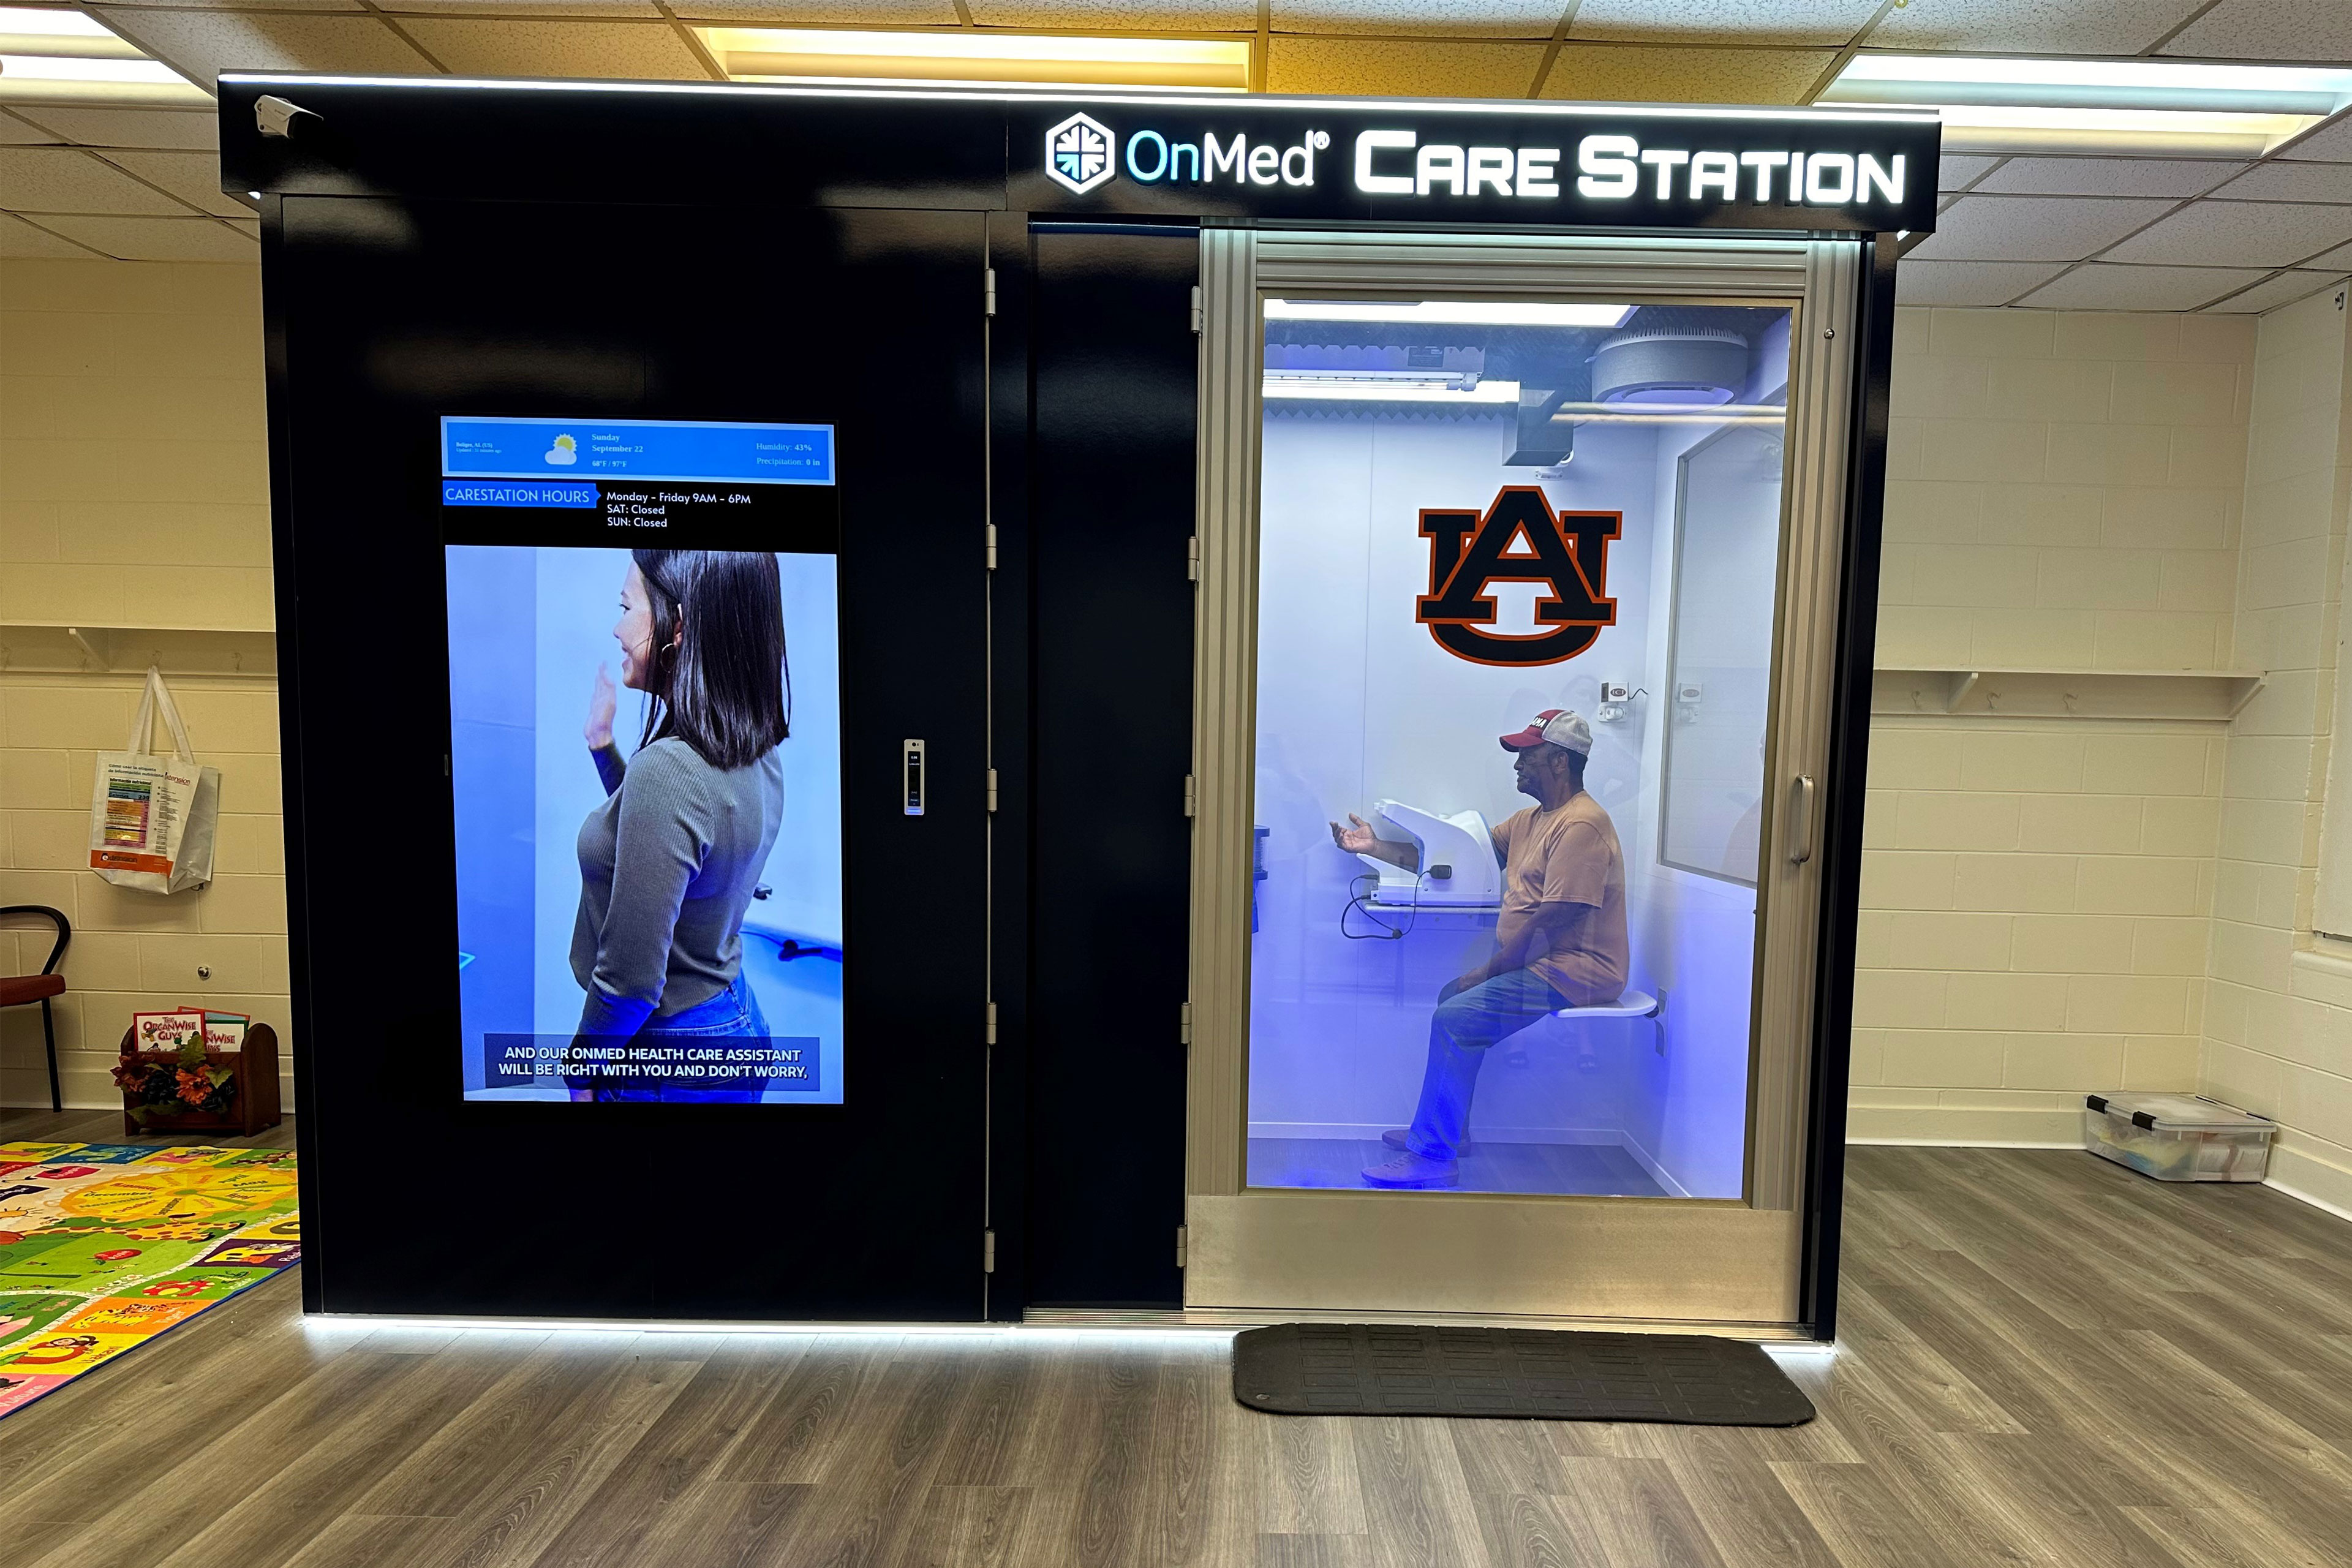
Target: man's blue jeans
[1465, 1024]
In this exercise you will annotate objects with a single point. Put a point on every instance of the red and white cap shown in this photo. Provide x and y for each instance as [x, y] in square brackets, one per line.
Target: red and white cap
[1561, 726]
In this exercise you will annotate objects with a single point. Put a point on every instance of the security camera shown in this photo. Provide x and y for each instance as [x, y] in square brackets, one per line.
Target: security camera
[276, 116]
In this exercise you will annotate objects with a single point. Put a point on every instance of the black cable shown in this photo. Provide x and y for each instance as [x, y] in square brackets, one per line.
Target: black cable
[1359, 902]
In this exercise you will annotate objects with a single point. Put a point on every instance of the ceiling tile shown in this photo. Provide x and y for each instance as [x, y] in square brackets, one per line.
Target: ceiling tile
[2269, 30]
[2330, 143]
[1722, 21]
[21, 240]
[839, 13]
[1400, 68]
[2102, 287]
[2034, 228]
[628, 50]
[1958, 169]
[2339, 259]
[161, 238]
[62, 180]
[1646, 73]
[2109, 176]
[205, 43]
[197, 130]
[1436, 19]
[2242, 233]
[2032, 26]
[194, 177]
[2290, 183]
[1969, 282]
[15, 132]
[2285, 289]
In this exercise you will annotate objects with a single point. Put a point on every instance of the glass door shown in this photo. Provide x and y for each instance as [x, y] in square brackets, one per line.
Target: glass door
[1518, 1017]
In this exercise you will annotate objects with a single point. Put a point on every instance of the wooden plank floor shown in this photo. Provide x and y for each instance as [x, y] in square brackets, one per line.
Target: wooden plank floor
[2046, 1360]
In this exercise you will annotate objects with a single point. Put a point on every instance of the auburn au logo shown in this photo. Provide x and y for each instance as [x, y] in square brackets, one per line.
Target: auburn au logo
[1518, 540]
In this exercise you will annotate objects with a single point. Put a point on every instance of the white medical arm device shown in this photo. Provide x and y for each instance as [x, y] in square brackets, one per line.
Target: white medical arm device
[1458, 868]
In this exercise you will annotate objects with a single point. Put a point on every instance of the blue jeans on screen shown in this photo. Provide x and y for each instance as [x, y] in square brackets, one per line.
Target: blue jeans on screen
[734, 1013]
[1469, 1021]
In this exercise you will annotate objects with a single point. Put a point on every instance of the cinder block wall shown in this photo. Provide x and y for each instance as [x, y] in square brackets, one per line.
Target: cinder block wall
[2063, 494]
[133, 492]
[2278, 1026]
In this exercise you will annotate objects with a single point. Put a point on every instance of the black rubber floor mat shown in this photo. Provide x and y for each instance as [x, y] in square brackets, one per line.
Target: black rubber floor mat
[1545, 1375]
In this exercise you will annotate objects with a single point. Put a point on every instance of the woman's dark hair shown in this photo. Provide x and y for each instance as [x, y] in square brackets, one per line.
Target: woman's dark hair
[726, 689]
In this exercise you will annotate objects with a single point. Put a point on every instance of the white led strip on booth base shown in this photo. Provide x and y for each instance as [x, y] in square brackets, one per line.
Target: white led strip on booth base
[355, 1325]
[1163, 1329]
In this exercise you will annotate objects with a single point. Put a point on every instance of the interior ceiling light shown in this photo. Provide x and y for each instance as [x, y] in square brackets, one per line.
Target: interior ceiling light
[803, 54]
[1670, 414]
[1995, 105]
[1370, 386]
[56, 57]
[1449, 312]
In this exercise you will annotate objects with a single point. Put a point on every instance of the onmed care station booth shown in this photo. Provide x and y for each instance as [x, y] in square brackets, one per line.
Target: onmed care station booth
[898, 702]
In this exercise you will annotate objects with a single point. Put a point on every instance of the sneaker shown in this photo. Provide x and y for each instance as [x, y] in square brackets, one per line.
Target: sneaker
[1402, 1138]
[1408, 1170]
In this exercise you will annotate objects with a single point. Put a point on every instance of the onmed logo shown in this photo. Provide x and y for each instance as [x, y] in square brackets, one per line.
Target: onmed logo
[1519, 539]
[1080, 154]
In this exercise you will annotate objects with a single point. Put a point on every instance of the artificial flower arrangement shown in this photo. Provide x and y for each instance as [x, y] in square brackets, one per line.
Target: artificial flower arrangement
[168, 1072]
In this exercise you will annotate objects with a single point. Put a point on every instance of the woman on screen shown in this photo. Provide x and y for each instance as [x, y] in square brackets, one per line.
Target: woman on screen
[668, 861]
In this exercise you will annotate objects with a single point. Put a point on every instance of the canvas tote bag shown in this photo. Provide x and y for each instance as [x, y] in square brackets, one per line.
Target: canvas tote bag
[151, 818]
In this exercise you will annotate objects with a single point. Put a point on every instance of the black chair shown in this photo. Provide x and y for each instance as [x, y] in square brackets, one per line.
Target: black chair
[18, 989]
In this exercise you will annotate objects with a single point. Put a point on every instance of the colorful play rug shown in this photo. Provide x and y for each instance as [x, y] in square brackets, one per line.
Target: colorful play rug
[105, 1246]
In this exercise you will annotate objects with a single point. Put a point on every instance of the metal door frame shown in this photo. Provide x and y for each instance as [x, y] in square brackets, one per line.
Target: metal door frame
[1366, 1253]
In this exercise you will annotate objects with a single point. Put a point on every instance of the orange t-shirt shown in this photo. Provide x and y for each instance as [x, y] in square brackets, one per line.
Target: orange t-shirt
[1570, 855]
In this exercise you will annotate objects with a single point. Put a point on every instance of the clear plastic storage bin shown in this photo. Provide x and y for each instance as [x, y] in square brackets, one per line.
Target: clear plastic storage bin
[2177, 1137]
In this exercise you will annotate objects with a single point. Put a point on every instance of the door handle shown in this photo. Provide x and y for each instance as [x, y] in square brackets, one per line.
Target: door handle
[1801, 819]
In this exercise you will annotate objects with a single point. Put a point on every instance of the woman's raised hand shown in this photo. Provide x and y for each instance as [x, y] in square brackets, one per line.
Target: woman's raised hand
[599, 733]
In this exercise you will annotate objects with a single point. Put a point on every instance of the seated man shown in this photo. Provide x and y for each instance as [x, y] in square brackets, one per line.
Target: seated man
[1558, 942]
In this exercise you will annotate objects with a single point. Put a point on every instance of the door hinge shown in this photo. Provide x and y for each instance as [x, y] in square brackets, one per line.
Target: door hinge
[987, 1027]
[1200, 316]
[988, 544]
[1193, 559]
[1190, 804]
[988, 1252]
[1182, 1247]
[991, 789]
[1184, 1025]
[988, 291]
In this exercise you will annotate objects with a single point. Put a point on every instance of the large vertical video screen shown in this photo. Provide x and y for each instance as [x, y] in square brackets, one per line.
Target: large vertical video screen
[644, 759]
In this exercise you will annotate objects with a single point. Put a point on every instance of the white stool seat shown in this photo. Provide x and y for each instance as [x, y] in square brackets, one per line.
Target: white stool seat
[1632, 1005]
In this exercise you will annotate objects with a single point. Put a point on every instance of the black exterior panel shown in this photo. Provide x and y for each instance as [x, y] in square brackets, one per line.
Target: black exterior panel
[1111, 699]
[383, 317]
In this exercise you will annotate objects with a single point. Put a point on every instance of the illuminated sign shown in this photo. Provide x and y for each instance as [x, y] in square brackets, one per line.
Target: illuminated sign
[1768, 169]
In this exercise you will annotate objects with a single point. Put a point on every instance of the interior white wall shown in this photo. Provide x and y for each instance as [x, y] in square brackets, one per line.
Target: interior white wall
[1355, 704]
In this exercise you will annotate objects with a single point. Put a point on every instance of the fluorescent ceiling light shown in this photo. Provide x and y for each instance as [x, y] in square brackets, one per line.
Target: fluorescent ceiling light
[1449, 312]
[1998, 105]
[1372, 387]
[56, 57]
[59, 82]
[25, 31]
[784, 53]
[65, 24]
[53, 68]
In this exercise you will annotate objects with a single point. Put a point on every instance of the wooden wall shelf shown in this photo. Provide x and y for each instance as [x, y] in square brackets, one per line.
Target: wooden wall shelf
[56, 647]
[2211, 696]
